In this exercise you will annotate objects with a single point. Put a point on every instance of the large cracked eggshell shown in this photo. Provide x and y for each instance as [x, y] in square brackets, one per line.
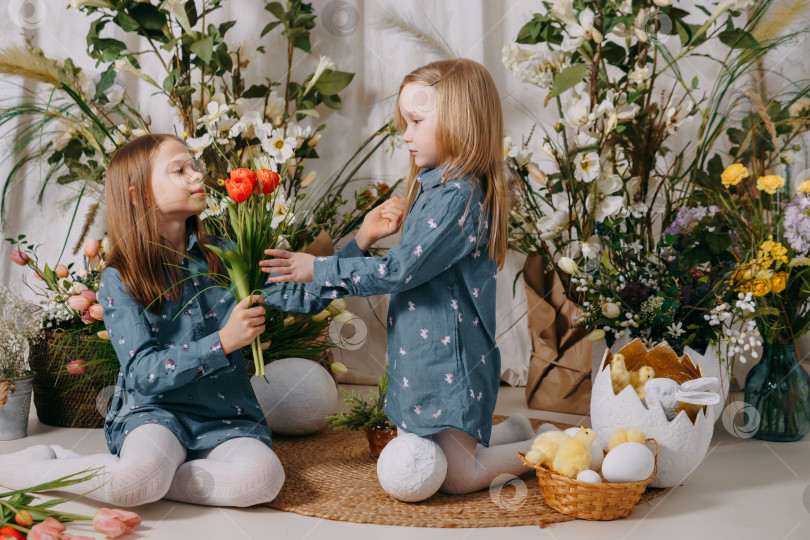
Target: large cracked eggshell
[681, 444]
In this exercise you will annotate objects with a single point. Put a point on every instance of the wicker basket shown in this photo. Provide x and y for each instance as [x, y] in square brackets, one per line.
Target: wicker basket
[63, 399]
[590, 500]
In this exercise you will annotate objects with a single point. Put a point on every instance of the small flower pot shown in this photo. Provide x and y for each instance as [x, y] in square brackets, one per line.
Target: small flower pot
[378, 438]
[15, 403]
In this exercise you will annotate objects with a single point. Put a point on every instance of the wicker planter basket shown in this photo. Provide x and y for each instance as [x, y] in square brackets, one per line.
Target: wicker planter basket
[590, 500]
[63, 399]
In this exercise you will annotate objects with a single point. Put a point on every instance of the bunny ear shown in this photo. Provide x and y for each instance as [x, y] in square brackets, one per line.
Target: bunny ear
[698, 398]
[712, 384]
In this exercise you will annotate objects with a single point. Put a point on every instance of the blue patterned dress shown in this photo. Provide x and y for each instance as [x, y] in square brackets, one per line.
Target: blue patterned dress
[443, 363]
[173, 370]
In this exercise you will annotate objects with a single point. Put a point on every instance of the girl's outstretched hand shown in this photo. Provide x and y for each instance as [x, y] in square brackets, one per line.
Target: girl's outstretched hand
[244, 325]
[294, 266]
[384, 220]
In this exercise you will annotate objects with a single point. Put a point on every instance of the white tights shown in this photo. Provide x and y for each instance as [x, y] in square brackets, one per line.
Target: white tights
[153, 465]
[472, 466]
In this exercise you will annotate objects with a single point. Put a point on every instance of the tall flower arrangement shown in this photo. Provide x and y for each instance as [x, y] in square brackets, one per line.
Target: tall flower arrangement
[202, 75]
[614, 200]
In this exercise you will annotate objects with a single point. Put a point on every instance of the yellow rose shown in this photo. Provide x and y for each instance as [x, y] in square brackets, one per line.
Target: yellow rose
[770, 183]
[761, 287]
[804, 187]
[778, 282]
[734, 174]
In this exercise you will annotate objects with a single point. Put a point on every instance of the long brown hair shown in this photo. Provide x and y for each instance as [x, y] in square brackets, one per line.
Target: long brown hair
[136, 246]
[469, 137]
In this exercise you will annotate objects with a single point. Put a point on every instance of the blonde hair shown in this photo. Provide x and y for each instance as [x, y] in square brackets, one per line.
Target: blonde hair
[469, 137]
[135, 240]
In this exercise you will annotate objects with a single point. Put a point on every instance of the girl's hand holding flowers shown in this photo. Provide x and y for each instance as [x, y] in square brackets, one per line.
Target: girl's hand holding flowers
[245, 324]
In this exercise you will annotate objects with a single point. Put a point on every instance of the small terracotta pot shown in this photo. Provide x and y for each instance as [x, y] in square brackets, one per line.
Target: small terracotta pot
[378, 438]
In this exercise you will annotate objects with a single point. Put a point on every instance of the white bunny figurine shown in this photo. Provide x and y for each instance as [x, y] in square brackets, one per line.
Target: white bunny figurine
[668, 393]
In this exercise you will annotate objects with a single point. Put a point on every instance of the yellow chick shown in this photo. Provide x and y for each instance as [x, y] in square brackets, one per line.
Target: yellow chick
[574, 455]
[545, 446]
[626, 435]
[618, 373]
[639, 377]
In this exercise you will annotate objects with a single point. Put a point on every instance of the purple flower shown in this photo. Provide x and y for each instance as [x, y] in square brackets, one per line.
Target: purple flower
[797, 224]
[689, 218]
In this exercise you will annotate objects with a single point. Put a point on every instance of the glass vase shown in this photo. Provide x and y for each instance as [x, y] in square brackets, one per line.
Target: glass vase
[779, 389]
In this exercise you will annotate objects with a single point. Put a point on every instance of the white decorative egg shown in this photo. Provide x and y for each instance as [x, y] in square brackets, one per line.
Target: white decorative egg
[296, 395]
[411, 468]
[628, 462]
[589, 476]
[596, 449]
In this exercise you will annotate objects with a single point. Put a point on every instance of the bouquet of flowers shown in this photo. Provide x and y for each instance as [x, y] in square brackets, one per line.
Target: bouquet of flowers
[772, 230]
[672, 294]
[612, 69]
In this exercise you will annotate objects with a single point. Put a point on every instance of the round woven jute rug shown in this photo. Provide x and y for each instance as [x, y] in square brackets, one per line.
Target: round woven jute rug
[332, 475]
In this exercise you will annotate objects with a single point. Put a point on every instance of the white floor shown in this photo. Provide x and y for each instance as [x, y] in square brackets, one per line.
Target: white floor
[744, 489]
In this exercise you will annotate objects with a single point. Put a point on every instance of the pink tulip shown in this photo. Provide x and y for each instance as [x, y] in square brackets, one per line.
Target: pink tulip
[91, 247]
[90, 295]
[19, 257]
[61, 271]
[115, 522]
[87, 317]
[96, 311]
[77, 367]
[78, 302]
[50, 529]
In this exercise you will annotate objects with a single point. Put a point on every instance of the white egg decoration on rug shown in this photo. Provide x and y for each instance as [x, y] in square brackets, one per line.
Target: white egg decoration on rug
[597, 455]
[682, 445]
[628, 462]
[296, 395]
[411, 468]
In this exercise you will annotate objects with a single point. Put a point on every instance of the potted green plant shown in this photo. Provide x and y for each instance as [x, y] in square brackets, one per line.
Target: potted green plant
[19, 329]
[368, 416]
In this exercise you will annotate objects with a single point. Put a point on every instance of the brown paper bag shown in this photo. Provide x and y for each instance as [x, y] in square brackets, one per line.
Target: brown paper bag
[560, 365]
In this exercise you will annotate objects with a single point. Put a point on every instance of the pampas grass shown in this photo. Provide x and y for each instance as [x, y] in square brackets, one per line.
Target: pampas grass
[408, 26]
[781, 16]
[23, 62]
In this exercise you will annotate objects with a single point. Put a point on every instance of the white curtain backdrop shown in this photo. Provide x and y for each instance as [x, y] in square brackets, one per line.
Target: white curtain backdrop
[351, 34]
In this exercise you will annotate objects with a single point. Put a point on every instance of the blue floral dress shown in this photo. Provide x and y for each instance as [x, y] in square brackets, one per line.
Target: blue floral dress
[173, 370]
[443, 363]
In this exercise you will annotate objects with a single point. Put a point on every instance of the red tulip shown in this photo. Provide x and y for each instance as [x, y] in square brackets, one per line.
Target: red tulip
[78, 302]
[115, 522]
[87, 317]
[268, 180]
[61, 271]
[10, 533]
[240, 185]
[77, 367]
[91, 246]
[19, 257]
